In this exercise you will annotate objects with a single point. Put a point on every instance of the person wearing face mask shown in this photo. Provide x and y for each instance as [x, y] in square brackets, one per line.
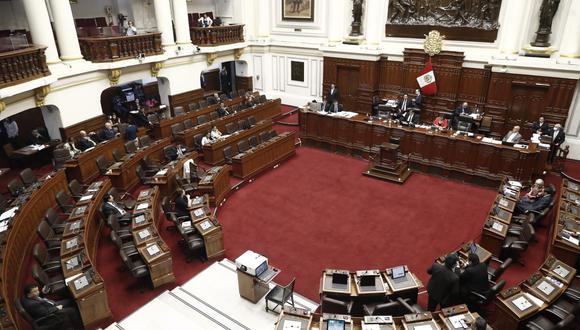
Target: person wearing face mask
[474, 278]
[558, 137]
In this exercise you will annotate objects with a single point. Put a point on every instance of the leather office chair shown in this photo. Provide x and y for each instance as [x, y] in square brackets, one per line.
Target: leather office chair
[177, 128]
[485, 126]
[193, 106]
[144, 141]
[243, 123]
[514, 246]
[123, 231]
[263, 99]
[169, 211]
[197, 142]
[103, 164]
[178, 111]
[542, 322]
[55, 283]
[335, 306]
[231, 128]
[54, 221]
[563, 307]
[191, 241]
[48, 236]
[243, 146]
[135, 265]
[48, 263]
[273, 134]
[59, 157]
[213, 115]
[202, 119]
[28, 177]
[573, 291]
[203, 104]
[481, 301]
[280, 295]
[228, 154]
[76, 189]
[142, 175]
[253, 140]
[65, 201]
[149, 165]
[252, 120]
[393, 308]
[409, 308]
[47, 322]
[153, 119]
[188, 123]
[130, 147]
[188, 186]
[126, 245]
[117, 155]
[494, 274]
[123, 197]
[464, 126]
[15, 187]
[264, 136]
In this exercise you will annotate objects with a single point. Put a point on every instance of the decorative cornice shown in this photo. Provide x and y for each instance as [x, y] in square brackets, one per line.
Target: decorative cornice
[155, 67]
[2, 106]
[238, 52]
[114, 75]
[211, 57]
[40, 94]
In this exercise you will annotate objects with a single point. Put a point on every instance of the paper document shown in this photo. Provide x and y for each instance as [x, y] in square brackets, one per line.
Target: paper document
[534, 299]
[153, 249]
[72, 278]
[8, 214]
[144, 233]
[139, 219]
[161, 172]
[456, 321]
[561, 271]
[423, 327]
[72, 243]
[522, 303]
[86, 198]
[198, 212]
[72, 263]
[144, 193]
[545, 288]
[572, 240]
[142, 206]
[291, 325]
[186, 224]
[497, 226]
[205, 225]
[81, 282]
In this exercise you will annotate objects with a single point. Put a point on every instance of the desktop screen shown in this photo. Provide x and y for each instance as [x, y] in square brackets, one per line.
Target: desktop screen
[339, 278]
[367, 280]
[335, 324]
[398, 272]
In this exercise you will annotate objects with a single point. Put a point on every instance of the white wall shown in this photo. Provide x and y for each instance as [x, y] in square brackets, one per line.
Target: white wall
[201, 6]
[91, 8]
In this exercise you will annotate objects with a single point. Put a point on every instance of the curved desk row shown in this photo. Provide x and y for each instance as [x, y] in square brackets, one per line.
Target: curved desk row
[564, 240]
[264, 111]
[499, 218]
[443, 153]
[19, 236]
[78, 254]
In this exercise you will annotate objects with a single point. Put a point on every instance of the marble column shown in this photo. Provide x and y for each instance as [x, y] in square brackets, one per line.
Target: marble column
[163, 18]
[374, 28]
[336, 21]
[263, 18]
[570, 45]
[511, 29]
[64, 27]
[182, 35]
[40, 28]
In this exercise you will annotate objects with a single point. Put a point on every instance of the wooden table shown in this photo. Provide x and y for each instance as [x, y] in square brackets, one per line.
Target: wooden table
[216, 184]
[265, 155]
[213, 153]
[566, 222]
[442, 153]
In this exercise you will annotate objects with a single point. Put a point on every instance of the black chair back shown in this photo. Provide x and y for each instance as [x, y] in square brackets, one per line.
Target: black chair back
[228, 154]
[130, 147]
[178, 111]
[15, 187]
[252, 120]
[117, 156]
[28, 177]
[231, 128]
[197, 142]
[145, 141]
[202, 119]
[64, 201]
[102, 164]
[213, 115]
[188, 123]
[193, 106]
[243, 146]
[176, 128]
[203, 104]
[253, 141]
[153, 118]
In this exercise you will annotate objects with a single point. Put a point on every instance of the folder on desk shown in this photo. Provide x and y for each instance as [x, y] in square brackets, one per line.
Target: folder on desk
[71, 243]
[144, 234]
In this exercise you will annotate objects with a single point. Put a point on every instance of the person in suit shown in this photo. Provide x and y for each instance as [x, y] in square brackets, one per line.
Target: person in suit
[222, 110]
[525, 205]
[250, 102]
[56, 313]
[513, 136]
[181, 203]
[85, 142]
[131, 133]
[214, 99]
[411, 117]
[536, 191]
[463, 109]
[108, 133]
[474, 278]
[418, 99]
[37, 138]
[558, 137]
[443, 286]
[403, 105]
[335, 107]
[110, 206]
[333, 94]
[540, 127]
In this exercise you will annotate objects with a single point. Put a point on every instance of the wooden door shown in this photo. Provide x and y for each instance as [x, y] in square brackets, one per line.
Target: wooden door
[527, 104]
[347, 83]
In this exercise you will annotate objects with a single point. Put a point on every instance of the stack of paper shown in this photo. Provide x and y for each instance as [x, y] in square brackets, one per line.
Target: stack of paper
[142, 206]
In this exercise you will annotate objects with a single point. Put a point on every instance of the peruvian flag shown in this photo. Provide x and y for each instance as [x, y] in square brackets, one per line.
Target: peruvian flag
[426, 79]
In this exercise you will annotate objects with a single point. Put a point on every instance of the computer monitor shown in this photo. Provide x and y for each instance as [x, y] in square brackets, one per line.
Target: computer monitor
[338, 278]
[398, 272]
[367, 280]
[333, 324]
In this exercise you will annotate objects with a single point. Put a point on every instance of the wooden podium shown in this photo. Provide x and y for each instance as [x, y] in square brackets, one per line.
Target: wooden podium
[254, 288]
[389, 165]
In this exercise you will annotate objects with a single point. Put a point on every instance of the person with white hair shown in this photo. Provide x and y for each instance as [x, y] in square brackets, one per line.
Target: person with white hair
[536, 191]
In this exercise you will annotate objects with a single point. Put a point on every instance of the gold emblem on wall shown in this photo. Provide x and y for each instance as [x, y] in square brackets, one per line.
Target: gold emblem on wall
[211, 57]
[114, 75]
[238, 53]
[40, 94]
[155, 67]
[433, 43]
[2, 106]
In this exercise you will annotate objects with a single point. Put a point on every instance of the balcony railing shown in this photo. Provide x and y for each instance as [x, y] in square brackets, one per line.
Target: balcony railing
[21, 65]
[217, 35]
[116, 48]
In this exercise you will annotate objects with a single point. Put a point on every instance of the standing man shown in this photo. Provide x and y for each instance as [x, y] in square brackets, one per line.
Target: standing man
[474, 278]
[11, 128]
[333, 94]
[225, 81]
[418, 100]
[443, 286]
[540, 127]
[558, 137]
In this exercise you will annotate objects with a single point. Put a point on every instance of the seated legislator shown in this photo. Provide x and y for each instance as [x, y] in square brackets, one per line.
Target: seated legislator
[443, 286]
[48, 313]
[540, 127]
[71, 147]
[214, 99]
[206, 139]
[410, 117]
[441, 122]
[558, 137]
[222, 110]
[250, 102]
[463, 109]
[204, 21]
[110, 206]
[215, 133]
[181, 203]
[335, 107]
[513, 136]
[38, 138]
[526, 205]
[474, 278]
[131, 133]
[85, 142]
[403, 105]
[108, 133]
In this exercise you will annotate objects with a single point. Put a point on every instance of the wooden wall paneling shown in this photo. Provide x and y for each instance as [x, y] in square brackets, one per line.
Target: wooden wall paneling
[89, 125]
[245, 83]
[185, 98]
[212, 80]
[393, 80]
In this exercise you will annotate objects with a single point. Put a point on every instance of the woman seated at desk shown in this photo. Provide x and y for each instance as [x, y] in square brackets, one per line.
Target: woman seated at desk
[70, 146]
[215, 133]
[206, 139]
[441, 122]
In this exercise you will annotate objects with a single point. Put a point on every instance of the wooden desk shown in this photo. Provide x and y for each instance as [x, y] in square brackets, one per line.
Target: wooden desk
[125, 176]
[84, 167]
[20, 236]
[263, 111]
[216, 184]
[213, 153]
[88, 290]
[157, 256]
[293, 314]
[265, 155]
[566, 222]
[377, 287]
[213, 237]
[415, 321]
[165, 178]
[464, 158]
[252, 287]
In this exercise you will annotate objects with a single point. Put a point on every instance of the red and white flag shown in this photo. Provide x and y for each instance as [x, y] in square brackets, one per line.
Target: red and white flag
[426, 79]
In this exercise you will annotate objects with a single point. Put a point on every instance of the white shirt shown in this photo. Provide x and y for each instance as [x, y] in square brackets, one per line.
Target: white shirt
[113, 204]
[215, 134]
[512, 136]
[404, 106]
[11, 129]
[205, 141]
[131, 31]
[556, 131]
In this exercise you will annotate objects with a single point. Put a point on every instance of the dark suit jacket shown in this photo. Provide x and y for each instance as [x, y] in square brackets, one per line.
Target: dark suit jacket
[559, 138]
[84, 144]
[457, 111]
[474, 278]
[537, 204]
[418, 100]
[544, 128]
[40, 308]
[400, 105]
[181, 207]
[212, 100]
[108, 209]
[222, 112]
[107, 134]
[334, 96]
[443, 286]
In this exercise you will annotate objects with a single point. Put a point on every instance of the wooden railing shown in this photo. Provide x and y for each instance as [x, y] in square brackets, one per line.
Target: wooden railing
[109, 49]
[217, 35]
[18, 66]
